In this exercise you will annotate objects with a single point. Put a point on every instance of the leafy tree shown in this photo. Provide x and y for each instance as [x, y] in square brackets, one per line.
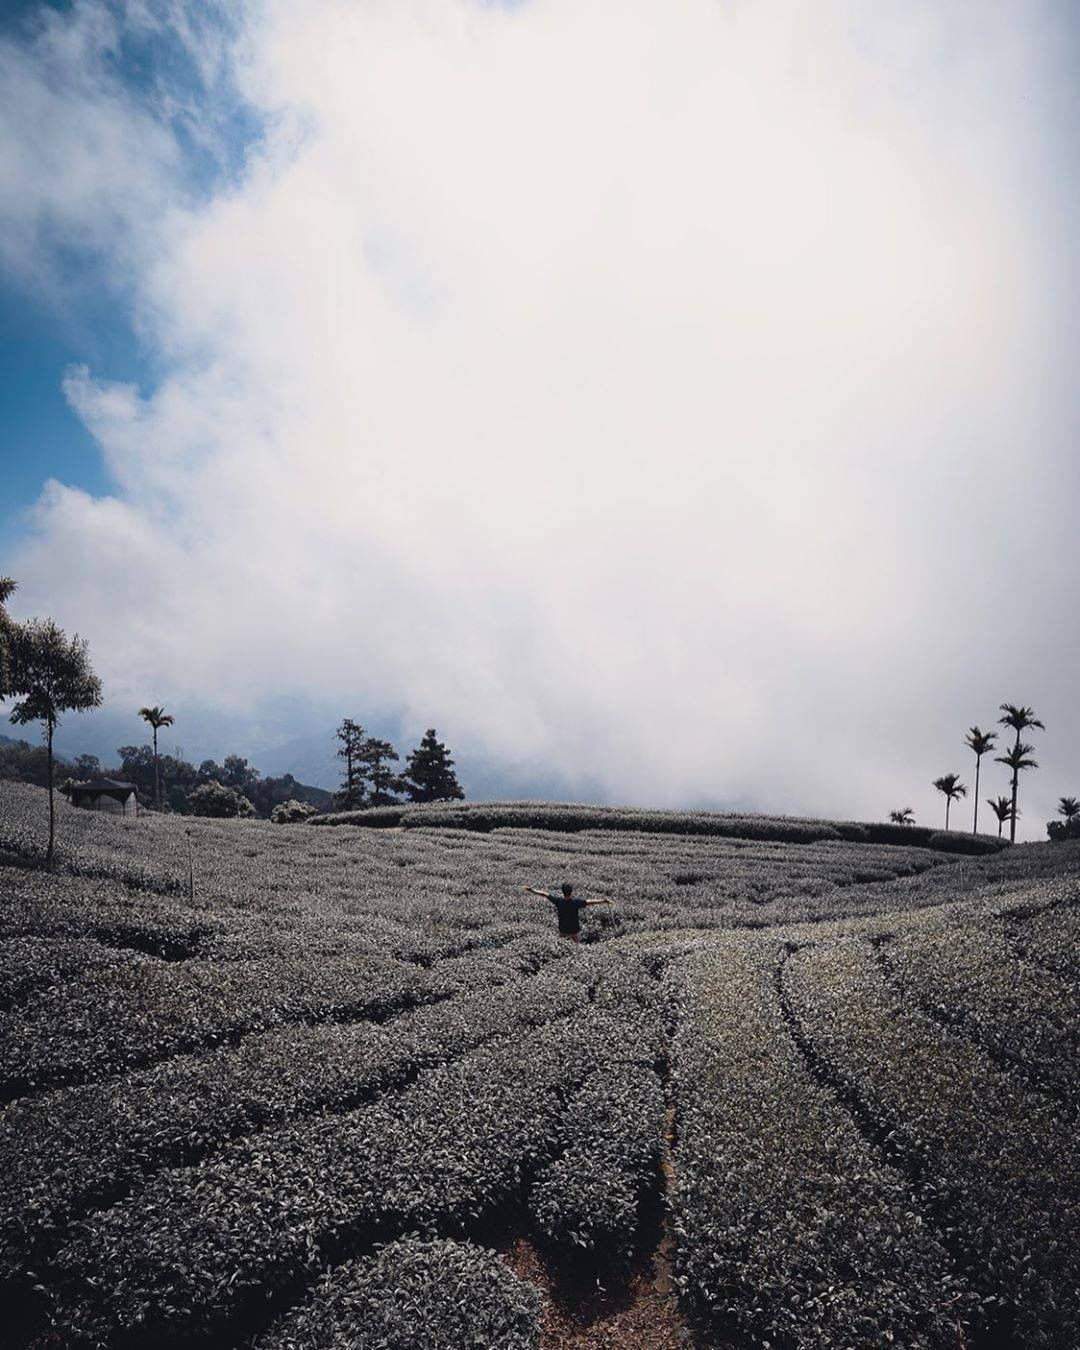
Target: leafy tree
[138, 766]
[1002, 808]
[215, 799]
[980, 742]
[50, 675]
[269, 793]
[352, 737]
[238, 774]
[7, 590]
[905, 816]
[158, 718]
[429, 772]
[1069, 807]
[952, 787]
[1019, 718]
[85, 768]
[21, 762]
[376, 757]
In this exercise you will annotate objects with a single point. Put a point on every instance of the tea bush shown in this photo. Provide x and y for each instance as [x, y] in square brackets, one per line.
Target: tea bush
[441, 1295]
[240, 1058]
[565, 817]
[998, 1163]
[790, 1229]
[973, 982]
[291, 812]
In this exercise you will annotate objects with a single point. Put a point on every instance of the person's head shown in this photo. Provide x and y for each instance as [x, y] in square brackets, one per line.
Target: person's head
[567, 889]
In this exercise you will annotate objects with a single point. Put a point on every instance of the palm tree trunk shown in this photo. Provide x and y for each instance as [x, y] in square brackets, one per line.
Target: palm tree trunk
[1015, 786]
[975, 825]
[157, 774]
[948, 803]
[52, 804]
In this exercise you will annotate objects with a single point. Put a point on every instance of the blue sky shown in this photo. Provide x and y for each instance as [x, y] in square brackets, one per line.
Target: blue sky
[84, 315]
[631, 391]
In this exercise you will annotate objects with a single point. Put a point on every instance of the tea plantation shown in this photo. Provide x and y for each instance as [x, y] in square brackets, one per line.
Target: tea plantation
[806, 1084]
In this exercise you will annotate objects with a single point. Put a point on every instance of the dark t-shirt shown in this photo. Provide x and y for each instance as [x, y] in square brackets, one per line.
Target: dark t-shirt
[568, 911]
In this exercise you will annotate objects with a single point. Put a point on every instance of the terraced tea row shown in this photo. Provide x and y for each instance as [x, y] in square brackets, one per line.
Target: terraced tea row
[792, 1229]
[994, 1163]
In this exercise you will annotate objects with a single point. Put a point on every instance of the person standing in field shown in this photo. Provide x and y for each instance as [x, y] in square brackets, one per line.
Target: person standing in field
[568, 907]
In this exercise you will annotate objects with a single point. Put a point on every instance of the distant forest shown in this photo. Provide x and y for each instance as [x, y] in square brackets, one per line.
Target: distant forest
[25, 763]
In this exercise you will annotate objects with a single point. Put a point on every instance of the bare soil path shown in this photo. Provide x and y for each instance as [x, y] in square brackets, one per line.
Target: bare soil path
[636, 1312]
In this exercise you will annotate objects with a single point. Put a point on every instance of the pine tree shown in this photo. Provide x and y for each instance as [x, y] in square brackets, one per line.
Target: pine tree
[429, 774]
[352, 737]
[376, 757]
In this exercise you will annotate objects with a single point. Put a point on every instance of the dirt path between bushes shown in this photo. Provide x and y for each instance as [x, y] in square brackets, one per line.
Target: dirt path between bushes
[639, 1312]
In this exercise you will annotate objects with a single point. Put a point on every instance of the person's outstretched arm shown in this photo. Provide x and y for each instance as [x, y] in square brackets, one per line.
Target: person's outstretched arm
[537, 891]
[599, 902]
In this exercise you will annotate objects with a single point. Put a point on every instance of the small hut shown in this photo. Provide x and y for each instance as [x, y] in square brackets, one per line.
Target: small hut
[116, 799]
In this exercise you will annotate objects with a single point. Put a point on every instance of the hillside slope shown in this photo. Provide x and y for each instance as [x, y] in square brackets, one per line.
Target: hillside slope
[848, 1070]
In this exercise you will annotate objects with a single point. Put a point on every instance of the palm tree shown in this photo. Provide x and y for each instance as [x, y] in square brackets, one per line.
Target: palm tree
[952, 787]
[906, 816]
[1069, 807]
[1019, 718]
[980, 742]
[157, 717]
[1017, 758]
[1002, 808]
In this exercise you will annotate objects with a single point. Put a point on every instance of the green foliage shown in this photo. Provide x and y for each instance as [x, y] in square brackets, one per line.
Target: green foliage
[138, 766]
[291, 812]
[950, 785]
[376, 757]
[429, 774]
[351, 736]
[1059, 831]
[215, 799]
[1002, 808]
[904, 816]
[979, 741]
[438, 1294]
[21, 762]
[214, 1116]
[994, 1165]
[571, 818]
[1069, 807]
[158, 718]
[7, 589]
[51, 675]
[368, 777]
[792, 1230]
[1020, 718]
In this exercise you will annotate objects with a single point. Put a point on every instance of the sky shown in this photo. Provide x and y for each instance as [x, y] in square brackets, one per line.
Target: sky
[671, 401]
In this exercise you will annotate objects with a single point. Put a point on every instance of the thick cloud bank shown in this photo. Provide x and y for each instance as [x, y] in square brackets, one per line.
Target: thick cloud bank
[671, 392]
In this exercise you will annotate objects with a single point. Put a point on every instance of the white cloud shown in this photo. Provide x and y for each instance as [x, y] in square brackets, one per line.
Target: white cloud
[629, 386]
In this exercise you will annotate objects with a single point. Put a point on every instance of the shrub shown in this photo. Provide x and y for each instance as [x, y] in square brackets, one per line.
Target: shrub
[791, 1231]
[995, 1165]
[1059, 831]
[291, 812]
[214, 799]
[441, 1295]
